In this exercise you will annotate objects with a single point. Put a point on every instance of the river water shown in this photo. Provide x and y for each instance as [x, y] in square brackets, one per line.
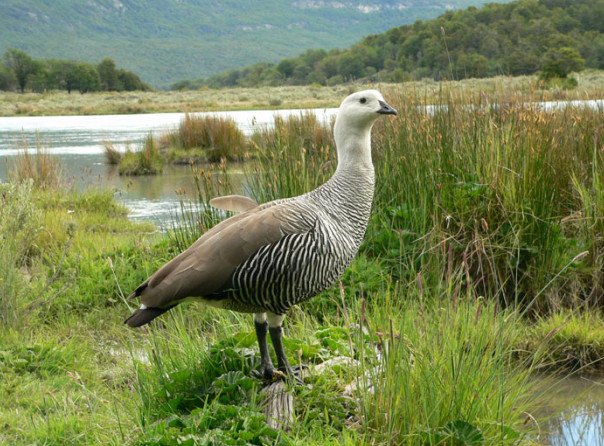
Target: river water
[77, 142]
[573, 408]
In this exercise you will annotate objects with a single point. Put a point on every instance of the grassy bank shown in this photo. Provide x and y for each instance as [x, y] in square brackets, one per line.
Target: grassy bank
[482, 263]
[72, 374]
[61, 103]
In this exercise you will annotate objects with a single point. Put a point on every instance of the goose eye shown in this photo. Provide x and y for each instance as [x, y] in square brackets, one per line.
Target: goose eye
[363, 100]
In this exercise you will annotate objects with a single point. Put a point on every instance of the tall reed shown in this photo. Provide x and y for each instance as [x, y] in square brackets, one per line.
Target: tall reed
[41, 168]
[294, 156]
[493, 187]
[112, 155]
[219, 137]
[487, 188]
[446, 374]
[197, 216]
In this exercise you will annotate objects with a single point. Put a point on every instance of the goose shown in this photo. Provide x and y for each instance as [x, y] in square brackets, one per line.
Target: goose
[270, 257]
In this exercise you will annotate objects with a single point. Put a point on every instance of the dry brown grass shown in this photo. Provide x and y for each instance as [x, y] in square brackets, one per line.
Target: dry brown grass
[40, 167]
[591, 85]
[112, 155]
[219, 137]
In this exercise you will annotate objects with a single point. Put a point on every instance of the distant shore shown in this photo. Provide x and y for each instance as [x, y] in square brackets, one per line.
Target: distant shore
[591, 86]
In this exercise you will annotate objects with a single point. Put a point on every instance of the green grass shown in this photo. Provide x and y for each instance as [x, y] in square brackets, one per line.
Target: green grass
[486, 229]
[428, 385]
[147, 161]
[75, 375]
[568, 340]
[19, 222]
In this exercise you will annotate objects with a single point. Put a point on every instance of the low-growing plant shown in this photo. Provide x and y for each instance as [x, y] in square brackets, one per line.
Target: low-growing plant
[147, 161]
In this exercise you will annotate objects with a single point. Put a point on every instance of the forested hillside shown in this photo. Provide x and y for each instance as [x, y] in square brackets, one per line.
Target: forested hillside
[522, 37]
[168, 40]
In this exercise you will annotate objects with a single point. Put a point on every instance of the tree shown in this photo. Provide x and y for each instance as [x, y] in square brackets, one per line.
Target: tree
[129, 81]
[108, 75]
[21, 64]
[39, 79]
[86, 78]
[63, 74]
[8, 81]
[560, 62]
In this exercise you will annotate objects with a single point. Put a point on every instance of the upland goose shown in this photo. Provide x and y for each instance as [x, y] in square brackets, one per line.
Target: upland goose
[272, 256]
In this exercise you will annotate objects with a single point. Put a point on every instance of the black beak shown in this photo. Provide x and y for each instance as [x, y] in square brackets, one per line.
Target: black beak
[385, 109]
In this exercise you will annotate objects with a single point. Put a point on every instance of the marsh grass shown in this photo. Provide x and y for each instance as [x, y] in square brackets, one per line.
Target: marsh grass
[218, 137]
[294, 156]
[571, 341]
[112, 155]
[447, 374]
[147, 161]
[195, 216]
[488, 189]
[198, 140]
[40, 167]
[496, 188]
[416, 383]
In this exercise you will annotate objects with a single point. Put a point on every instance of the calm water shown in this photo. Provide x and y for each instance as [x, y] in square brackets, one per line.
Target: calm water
[572, 413]
[77, 141]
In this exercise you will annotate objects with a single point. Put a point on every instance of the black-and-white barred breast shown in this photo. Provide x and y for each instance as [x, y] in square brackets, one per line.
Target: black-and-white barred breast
[322, 243]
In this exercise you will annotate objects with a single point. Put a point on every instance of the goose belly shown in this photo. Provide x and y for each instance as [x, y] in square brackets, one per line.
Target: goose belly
[296, 269]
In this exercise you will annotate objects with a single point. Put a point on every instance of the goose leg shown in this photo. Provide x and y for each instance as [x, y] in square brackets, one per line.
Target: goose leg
[275, 329]
[266, 365]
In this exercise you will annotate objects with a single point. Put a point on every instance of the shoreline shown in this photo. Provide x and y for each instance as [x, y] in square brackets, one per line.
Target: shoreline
[60, 103]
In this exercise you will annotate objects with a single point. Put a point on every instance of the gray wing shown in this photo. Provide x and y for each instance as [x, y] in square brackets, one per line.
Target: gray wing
[208, 265]
[288, 271]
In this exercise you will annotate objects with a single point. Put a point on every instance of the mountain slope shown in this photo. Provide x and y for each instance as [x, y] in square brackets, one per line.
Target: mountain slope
[515, 38]
[168, 40]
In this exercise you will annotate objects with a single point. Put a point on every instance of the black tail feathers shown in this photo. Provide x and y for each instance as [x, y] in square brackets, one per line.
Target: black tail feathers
[141, 317]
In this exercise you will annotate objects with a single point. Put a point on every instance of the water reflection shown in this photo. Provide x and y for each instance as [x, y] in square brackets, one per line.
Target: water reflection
[573, 412]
